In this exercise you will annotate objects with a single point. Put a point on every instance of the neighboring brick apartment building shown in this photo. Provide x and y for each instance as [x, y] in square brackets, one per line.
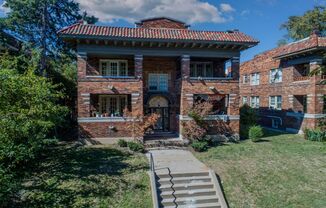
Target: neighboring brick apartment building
[160, 66]
[277, 82]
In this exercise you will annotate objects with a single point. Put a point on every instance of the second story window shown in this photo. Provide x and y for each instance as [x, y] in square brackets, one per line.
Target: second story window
[275, 75]
[245, 79]
[201, 69]
[254, 102]
[158, 82]
[275, 102]
[114, 68]
[254, 79]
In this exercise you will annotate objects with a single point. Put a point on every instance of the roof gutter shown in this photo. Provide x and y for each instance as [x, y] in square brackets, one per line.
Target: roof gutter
[298, 52]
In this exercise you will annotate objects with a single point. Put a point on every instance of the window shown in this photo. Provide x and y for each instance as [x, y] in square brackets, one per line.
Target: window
[114, 68]
[275, 76]
[201, 69]
[324, 110]
[254, 79]
[254, 102]
[112, 105]
[244, 100]
[158, 82]
[275, 102]
[245, 79]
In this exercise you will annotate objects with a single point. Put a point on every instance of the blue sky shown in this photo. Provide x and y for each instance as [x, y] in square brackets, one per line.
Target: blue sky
[258, 18]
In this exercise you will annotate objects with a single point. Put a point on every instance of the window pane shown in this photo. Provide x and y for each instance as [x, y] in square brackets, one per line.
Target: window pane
[123, 69]
[103, 68]
[113, 106]
[209, 70]
[123, 103]
[163, 84]
[103, 104]
[192, 70]
[113, 68]
[153, 82]
[200, 70]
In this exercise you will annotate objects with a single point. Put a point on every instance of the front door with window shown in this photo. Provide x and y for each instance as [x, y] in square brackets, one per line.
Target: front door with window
[160, 105]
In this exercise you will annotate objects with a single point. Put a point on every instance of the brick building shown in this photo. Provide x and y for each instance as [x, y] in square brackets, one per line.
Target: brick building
[278, 84]
[159, 66]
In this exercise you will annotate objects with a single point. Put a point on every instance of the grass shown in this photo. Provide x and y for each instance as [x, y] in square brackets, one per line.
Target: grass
[280, 171]
[77, 176]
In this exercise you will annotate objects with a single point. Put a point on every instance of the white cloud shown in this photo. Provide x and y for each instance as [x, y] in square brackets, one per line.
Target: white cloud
[189, 11]
[245, 12]
[4, 9]
[226, 8]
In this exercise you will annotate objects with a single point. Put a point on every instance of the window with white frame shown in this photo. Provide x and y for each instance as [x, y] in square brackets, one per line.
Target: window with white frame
[275, 75]
[201, 69]
[245, 79]
[254, 79]
[244, 100]
[114, 68]
[275, 102]
[254, 102]
[158, 82]
[112, 105]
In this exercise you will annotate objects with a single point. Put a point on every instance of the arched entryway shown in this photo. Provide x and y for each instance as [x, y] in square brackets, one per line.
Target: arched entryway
[160, 105]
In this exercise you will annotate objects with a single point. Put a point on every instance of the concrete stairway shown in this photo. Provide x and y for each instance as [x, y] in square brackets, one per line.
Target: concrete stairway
[191, 189]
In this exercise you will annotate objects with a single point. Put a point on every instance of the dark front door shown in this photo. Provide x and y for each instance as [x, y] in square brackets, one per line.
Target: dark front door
[162, 123]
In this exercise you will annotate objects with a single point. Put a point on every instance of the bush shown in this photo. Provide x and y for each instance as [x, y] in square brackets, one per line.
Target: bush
[122, 143]
[255, 133]
[136, 147]
[315, 135]
[248, 118]
[199, 146]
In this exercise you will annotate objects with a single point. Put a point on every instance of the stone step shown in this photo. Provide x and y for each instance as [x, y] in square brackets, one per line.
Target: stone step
[191, 179]
[176, 175]
[205, 205]
[188, 193]
[186, 186]
[190, 200]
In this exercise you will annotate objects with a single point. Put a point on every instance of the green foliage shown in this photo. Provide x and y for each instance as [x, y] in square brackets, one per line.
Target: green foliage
[199, 146]
[248, 117]
[315, 135]
[299, 27]
[255, 133]
[28, 114]
[136, 146]
[122, 143]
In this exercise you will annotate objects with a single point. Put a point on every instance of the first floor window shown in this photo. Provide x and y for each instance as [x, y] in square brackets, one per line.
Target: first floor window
[201, 69]
[254, 79]
[114, 68]
[244, 100]
[158, 82]
[275, 75]
[254, 101]
[276, 123]
[275, 102]
[112, 105]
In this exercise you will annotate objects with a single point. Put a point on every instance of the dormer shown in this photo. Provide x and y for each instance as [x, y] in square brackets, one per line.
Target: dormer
[161, 22]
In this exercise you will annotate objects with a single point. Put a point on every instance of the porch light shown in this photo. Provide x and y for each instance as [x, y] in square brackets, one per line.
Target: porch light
[211, 88]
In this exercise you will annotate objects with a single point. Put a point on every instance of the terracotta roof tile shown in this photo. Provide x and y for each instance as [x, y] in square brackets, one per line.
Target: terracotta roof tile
[153, 33]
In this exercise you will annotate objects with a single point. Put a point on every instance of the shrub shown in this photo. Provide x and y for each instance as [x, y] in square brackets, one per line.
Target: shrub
[315, 135]
[199, 146]
[248, 118]
[136, 147]
[122, 143]
[255, 133]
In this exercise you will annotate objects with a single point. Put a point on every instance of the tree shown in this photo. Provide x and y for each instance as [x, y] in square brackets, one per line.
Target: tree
[299, 27]
[29, 112]
[38, 22]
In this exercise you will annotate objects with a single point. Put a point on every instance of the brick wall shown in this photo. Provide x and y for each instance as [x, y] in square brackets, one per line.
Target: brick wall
[263, 63]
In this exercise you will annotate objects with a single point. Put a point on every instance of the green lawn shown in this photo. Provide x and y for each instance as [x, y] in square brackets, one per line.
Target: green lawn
[71, 176]
[280, 171]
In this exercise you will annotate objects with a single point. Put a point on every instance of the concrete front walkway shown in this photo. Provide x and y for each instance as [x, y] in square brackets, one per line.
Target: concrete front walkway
[178, 161]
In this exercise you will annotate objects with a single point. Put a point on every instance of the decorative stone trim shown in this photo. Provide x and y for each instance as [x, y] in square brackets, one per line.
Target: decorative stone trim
[104, 119]
[305, 115]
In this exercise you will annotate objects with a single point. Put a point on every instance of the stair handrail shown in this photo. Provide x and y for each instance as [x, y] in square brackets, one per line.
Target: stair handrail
[153, 181]
[173, 190]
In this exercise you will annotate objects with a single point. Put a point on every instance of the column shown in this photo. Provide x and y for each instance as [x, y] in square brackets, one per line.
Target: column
[315, 97]
[137, 104]
[235, 67]
[81, 65]
[186, 95]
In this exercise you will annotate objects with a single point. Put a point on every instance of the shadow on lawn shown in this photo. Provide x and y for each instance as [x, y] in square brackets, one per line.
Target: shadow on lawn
[68, 172]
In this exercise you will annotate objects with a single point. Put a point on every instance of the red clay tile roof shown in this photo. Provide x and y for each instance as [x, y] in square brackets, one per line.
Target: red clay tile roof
[312, 42]
[157, 34]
